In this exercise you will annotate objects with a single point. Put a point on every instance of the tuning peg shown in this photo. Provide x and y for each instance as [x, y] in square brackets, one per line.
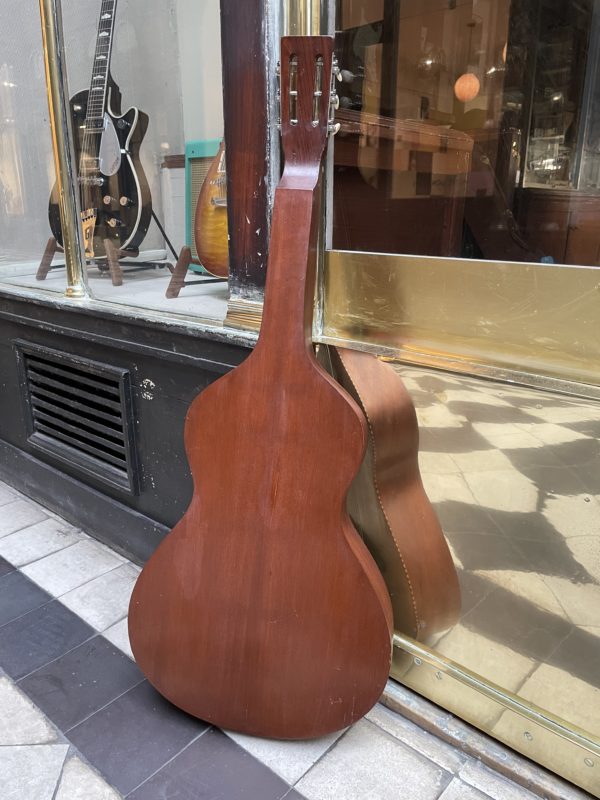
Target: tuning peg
[336, 69]
[333, 128]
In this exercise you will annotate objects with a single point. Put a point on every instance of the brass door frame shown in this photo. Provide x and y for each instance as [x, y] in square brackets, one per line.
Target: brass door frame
[62, 146]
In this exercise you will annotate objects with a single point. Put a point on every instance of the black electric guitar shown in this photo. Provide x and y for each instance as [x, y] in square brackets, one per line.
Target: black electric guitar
[115, 197]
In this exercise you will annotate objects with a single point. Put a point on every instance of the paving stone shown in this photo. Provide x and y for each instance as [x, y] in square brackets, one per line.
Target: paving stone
[31, 772]
[38, 637]
[7, 494]
[37, 541]
[18, 596]
[62, 571]
[20, 721]
[80, 782]
[462, 791]
[133, 737]
[74, 686]
[19, 514]
[290, 760]
[444, 755]
[366, 762]
[5, 567]
[103, 601]
[213, 767]
[119, 635]
[491, 784]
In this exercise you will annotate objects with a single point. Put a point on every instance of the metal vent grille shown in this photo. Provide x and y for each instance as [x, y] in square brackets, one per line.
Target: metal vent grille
[198, 171]
[78, 412]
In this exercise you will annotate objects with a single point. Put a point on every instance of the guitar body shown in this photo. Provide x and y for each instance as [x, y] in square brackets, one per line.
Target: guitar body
[263, 611]
[264, 600]
[388, 504]
[210, 222]
[121, 200]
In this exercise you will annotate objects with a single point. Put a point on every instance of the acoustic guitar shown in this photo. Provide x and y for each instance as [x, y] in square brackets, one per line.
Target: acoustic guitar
[263, 611]
[387, 502]
[114, 193]
[210, 221]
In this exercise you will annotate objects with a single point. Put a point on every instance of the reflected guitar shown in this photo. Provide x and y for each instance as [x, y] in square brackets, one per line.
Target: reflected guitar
[113, 190]
[210, 221]
[263, 611]
[387, 501]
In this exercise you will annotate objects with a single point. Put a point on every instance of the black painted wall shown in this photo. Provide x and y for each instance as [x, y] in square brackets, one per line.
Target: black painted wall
[168, 366]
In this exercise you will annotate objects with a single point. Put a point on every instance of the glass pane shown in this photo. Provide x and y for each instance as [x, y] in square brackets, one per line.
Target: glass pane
[145, 79]
[26, 162]
[469, 128]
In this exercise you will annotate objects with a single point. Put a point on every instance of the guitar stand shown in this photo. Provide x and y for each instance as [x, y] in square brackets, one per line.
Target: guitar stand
[45, 266]
[178, 280]
[109, 263]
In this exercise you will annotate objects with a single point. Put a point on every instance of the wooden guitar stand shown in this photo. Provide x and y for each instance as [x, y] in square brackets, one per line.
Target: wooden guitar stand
[178, 280]
[45, 266]
[109, 263]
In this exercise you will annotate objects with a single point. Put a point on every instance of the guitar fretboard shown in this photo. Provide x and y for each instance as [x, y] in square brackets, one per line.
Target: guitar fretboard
[99, 81]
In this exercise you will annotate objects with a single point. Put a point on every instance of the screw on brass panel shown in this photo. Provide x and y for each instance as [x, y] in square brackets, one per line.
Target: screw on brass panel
[588, 762]
[528, 736]
[418, 662]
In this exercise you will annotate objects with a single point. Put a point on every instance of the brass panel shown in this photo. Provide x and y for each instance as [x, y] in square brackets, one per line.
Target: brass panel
[244, 314]
[544, 738]
[537, 319]
[514, 476]
[301, 17]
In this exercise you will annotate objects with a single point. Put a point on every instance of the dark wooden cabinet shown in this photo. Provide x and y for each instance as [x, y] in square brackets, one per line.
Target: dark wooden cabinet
[564, 224]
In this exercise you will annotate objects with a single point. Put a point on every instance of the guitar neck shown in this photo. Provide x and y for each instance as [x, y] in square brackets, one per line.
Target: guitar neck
[306, 103]
[101, 67]
[291, 271]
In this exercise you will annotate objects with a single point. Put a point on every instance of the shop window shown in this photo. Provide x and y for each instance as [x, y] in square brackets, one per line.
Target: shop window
[26, 164]
[469, 129]
[145, 92]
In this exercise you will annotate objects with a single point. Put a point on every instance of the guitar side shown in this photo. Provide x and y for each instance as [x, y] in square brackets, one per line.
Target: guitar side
[388, 504]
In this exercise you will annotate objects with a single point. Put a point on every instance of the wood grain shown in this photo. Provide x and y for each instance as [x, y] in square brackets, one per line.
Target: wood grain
[245, 104]
[263, 611]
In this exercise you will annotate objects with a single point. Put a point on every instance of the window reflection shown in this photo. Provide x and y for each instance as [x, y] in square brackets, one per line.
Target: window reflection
[470, 129]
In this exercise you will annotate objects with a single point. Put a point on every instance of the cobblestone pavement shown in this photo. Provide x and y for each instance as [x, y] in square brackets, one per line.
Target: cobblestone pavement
[78, 719]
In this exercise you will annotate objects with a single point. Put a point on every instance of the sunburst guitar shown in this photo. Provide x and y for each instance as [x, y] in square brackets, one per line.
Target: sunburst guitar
[210, 223]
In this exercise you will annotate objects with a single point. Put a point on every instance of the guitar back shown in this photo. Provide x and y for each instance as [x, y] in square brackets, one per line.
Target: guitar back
[263, 611]
[210, 221]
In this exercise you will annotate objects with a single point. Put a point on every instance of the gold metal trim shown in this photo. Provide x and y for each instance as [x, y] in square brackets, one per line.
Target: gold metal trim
[544, 738]
[301, 17]
[529, 319]
[244, 314]
[62, 146]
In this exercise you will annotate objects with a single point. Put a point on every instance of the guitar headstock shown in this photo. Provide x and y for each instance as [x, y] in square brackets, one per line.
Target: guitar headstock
[307, 96]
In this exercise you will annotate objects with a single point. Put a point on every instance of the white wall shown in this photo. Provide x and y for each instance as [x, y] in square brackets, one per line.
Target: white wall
[199, 35]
